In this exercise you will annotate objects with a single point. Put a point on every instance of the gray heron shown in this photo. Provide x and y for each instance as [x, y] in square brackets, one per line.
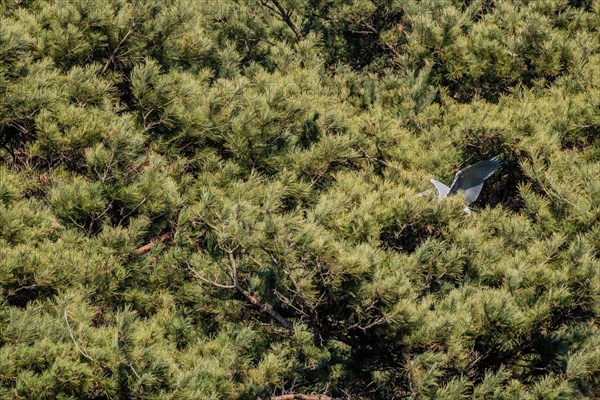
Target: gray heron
[468, 180]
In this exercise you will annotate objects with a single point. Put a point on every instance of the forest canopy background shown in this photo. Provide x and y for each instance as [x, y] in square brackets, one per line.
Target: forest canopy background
[218, 199]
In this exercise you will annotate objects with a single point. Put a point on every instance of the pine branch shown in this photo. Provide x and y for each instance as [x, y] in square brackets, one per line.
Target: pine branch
[237, 285]
[285, 16]
[373, 30]
[210, 282]
[141, 203]
[135, 372]
[298, 396]
[114, 53]
[553, 191]
[379, 160]
[261, 305]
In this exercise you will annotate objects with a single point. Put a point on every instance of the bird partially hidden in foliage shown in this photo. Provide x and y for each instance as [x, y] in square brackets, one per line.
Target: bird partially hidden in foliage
[468, 180]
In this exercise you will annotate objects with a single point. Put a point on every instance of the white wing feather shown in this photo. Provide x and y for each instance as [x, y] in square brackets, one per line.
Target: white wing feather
[442, 189]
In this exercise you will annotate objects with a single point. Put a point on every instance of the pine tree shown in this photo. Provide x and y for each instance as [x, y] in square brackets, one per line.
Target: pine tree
[219, 200]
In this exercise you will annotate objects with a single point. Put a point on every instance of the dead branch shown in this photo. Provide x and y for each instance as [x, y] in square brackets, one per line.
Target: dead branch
[298, 396]
[149, 246]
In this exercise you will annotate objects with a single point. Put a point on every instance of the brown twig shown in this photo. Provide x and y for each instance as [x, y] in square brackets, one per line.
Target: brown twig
[298, 396]
[393, 49]
[149, 246]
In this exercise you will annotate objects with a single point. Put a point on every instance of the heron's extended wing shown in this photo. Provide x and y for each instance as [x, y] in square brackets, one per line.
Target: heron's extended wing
[470, 179]
[441, 188]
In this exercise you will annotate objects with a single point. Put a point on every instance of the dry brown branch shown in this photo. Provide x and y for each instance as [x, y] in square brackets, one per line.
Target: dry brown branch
[149, 246]
[298, 396]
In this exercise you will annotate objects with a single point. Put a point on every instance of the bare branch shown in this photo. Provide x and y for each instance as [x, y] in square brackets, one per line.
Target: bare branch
[83, 353]
[393, 49]
[257, 302]
[149, 246]
[206, 280]
[77, 224]
[135, 373]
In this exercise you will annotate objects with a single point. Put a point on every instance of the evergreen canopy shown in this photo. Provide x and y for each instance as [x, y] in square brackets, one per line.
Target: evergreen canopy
[219, 199]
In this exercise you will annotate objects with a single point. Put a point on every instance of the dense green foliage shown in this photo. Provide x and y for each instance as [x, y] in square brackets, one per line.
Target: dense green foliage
[218, 199]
